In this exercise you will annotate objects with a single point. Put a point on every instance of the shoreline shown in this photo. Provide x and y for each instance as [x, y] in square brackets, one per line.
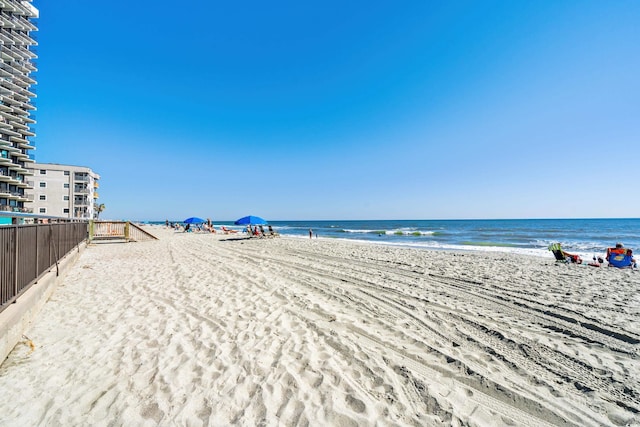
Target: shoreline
[585, 237]
[198, 329]
[538, 253]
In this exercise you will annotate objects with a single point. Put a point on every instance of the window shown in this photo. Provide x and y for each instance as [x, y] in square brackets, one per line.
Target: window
[66, 210]
[66, 185]
[43, 172]
[43, 184]
[43, 197]
[65, 198]
[66, 173]
[43, 210]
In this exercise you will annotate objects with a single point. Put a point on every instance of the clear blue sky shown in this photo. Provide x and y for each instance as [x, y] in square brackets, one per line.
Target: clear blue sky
[345, 110]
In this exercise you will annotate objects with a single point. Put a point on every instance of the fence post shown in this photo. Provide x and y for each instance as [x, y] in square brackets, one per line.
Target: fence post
[91, 229]
[37, 251]
[126, 230]
[52, 244]
[15, 263]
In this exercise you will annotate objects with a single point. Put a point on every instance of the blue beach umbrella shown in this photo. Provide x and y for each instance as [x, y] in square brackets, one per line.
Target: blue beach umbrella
[194, 220]
[250, 220]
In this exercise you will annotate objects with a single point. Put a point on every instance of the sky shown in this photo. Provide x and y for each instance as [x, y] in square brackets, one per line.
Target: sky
[345, 110]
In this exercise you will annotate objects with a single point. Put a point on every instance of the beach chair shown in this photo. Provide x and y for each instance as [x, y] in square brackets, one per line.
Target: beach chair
[620, 257]
[257, 233]
[557, 251]
[562, 256]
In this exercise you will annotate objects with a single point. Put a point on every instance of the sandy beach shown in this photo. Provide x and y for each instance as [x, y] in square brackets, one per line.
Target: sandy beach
[210, 330]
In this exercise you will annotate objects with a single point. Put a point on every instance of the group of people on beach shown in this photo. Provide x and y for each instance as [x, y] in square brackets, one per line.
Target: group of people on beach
[208, 227]
[617, 256]
[189, 228]
[259, 231]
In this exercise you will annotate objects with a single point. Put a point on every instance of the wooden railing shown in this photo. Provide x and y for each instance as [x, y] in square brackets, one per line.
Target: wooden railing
[118, 230]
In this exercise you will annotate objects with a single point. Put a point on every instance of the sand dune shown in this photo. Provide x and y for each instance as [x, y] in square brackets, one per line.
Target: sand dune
[201, 330]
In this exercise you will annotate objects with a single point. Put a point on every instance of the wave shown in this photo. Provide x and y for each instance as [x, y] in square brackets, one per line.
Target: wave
[433, 245]
[492, 244]
[397, 232]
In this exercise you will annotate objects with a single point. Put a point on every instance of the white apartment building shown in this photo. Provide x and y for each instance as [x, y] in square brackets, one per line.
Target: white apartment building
[63, 190]
[16, 66]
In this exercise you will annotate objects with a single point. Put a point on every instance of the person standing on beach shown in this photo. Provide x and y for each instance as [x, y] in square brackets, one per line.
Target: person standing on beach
[310, 233]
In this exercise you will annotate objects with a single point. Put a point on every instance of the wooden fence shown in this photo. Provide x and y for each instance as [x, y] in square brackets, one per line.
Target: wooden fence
[118, 230]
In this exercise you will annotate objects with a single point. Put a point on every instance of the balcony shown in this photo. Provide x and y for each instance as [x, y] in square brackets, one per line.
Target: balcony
[6, 145]
[26, 145]
[5, 177]
[7, 208]
[18, 139]
[18, 126]
[95, 195]
[21, 183]
[20, 197]
[9, 132]
[8, 83]
[5, 38]
[21, 156]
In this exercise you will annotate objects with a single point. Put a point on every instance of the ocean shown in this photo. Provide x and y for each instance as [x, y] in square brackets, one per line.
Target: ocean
[586, 237]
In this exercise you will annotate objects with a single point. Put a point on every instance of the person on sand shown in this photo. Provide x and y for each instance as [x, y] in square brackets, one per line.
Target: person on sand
[562, 255]
[619, 249]
[620, 257]
[310, 233]
[633, 260]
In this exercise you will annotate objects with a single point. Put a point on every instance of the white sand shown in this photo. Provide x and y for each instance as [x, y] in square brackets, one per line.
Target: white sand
[196, 330]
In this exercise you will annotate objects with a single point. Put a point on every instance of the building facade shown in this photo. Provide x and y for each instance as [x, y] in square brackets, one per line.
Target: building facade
[16, 121]
[63, 190]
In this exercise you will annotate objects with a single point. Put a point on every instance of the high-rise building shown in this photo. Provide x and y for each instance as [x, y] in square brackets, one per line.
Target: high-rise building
[64, 190]
[16, 67]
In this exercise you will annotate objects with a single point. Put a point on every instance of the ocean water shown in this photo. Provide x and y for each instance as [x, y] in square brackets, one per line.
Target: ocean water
[586, 237]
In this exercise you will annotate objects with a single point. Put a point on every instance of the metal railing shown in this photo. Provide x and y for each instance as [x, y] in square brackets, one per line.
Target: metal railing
[9, 208]
[27, 252]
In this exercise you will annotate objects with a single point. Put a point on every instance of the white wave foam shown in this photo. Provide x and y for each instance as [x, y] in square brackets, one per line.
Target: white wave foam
[540, 253]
